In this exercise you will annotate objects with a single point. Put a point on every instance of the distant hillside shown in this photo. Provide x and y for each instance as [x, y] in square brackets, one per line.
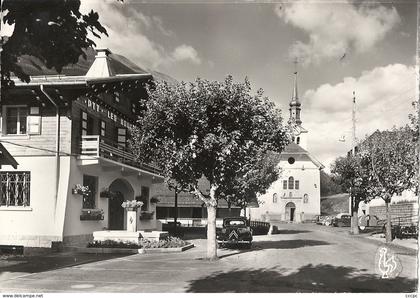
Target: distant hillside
[338, 203]
[328, 185]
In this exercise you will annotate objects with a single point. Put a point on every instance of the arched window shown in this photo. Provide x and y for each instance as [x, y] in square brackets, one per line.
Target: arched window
[305, 198]
[291, 182]
[275, 198]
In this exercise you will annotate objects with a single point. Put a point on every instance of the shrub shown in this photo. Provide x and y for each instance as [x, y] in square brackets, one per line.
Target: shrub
[113, 244]
[169, 242]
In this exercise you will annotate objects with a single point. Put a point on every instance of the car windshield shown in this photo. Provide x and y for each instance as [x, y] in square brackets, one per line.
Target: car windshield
[235, 222]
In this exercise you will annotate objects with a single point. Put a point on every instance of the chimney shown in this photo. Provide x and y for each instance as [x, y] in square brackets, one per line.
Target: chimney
[100, 67]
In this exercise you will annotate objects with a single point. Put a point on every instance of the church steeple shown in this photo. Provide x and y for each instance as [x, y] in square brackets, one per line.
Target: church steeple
[294, 105]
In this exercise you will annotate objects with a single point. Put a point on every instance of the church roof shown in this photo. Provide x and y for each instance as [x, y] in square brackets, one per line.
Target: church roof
[297, 152]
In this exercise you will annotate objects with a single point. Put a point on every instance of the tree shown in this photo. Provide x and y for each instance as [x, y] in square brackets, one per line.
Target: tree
[216, 130]
[351, 173]
[392, 166]
[54, 31]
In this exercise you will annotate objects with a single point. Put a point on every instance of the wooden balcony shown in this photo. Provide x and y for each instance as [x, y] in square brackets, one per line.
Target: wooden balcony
[96, 147]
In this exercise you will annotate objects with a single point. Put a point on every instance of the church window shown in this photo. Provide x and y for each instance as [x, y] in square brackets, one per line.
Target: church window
[305, 198]
[275, 198]
[291, 182]
[284, 184]
[297, 184]
[291, 160]
[298, 140]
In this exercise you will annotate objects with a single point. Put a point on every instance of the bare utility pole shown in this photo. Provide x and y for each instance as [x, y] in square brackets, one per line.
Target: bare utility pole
[353, 129]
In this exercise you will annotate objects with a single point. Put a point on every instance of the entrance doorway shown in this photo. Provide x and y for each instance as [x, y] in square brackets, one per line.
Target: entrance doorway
[116, 213]
[290, 211]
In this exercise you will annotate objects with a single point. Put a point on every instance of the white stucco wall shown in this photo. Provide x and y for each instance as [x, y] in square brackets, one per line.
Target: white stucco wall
[309, 183]
[41, 222]
[45, 220]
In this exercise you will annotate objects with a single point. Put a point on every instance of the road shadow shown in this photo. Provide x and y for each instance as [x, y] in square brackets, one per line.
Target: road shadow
[309, 278]
[40, 263]
[282, 244]
[290, 232]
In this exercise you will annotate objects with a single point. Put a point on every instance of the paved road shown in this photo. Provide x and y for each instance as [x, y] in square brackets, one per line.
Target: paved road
[302, 258]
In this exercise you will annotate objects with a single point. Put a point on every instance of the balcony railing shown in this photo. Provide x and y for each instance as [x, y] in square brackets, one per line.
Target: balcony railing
[95, 146]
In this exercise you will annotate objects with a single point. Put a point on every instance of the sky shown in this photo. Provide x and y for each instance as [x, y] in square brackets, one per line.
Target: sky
[341, 46]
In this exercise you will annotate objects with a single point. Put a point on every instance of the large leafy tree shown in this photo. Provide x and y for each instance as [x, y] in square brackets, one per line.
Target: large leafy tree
[53, 31]
[216, 130]
[392, 164]
[352, 174]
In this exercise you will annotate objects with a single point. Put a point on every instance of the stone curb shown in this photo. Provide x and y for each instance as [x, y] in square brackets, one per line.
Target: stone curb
[108, 250]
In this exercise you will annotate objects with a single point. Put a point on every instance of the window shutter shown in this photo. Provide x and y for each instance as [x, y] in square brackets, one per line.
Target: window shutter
[34, 121]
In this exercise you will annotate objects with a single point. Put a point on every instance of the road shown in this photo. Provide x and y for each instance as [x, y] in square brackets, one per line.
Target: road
[302, 258]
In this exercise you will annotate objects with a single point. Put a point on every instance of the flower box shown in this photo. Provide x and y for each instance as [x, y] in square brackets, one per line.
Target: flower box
[144, 215]
[79, 189]
[131, 205]
[92, 215]
[154, 200]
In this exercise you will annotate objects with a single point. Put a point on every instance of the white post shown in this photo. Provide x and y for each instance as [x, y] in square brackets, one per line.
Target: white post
[131, 220]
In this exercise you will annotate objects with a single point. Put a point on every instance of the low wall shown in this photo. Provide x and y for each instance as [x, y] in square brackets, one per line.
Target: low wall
[403, 213]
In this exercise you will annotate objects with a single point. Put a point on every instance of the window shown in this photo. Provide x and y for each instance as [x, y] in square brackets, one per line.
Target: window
[298, 140]
[15, 188]
[275, 198]
[297, 184]
[34, 121]
[284, 184]
[305, 198]
[117, 96]
[15, 121]
[103, 128]
[144, 198]
[291, 182]
[84, 123]
[89, 201]
[122, 137]
[291, 160]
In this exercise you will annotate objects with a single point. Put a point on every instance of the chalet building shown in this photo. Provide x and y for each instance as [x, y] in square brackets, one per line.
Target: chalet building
[69, 134]
[296, 195]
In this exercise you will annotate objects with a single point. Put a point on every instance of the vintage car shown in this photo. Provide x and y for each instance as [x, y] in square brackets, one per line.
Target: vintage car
[342, 220]
[235, 230]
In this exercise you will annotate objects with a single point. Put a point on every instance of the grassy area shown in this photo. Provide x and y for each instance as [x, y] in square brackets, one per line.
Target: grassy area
[334, 204]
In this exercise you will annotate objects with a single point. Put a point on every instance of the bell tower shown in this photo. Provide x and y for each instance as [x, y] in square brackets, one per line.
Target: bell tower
[295, 122]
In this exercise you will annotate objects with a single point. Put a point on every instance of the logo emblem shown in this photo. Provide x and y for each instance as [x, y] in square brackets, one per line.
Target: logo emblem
[387, 263]
[233, 234]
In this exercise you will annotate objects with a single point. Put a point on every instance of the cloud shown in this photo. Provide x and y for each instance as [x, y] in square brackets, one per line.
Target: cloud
[383, 98]
[336, 28]
[129, 35]
[185, 52]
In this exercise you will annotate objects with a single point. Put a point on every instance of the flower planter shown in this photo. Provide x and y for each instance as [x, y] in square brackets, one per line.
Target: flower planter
[92, 215]
[145, 215]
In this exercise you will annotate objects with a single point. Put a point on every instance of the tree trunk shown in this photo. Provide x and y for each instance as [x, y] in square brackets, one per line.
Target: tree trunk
[354, 223]
[388, 233]
[211, 233]
[176, 212]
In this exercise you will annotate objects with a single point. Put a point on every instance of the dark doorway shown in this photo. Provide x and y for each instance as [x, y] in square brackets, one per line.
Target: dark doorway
[116, 213]
[290, 211]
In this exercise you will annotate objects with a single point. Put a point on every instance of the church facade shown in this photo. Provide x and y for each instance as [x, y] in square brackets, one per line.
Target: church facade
[296, 195]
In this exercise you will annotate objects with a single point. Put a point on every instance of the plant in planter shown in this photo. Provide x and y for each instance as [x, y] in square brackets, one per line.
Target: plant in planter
[79, 189]
[132, 205]
[107, 193]
[154, 200]
[92, 215]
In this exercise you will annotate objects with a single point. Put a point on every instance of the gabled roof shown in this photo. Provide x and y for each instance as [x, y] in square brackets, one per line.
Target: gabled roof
[300, 154]
[119, 65]
[6, 158]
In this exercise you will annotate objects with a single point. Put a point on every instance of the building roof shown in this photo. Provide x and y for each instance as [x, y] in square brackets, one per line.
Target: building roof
[6, 158]
[118, 66]
[300, 154]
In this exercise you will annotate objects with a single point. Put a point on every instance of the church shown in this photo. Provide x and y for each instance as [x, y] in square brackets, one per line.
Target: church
[296, 195]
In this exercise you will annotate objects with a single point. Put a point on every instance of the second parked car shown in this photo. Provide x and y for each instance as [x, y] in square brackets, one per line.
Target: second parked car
[342, 220]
